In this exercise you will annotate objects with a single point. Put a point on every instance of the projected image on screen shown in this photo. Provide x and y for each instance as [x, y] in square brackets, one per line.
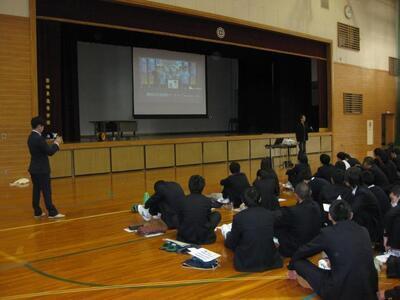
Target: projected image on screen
[168, 83]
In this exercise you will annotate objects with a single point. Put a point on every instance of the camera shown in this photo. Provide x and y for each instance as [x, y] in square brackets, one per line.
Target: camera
[51, 136]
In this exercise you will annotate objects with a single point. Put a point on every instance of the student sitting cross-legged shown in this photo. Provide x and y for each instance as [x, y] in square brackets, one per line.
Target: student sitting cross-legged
[298, 224]
[234, 185]
[196, 221]
[352, 273]
[251, 238]
[266, 185]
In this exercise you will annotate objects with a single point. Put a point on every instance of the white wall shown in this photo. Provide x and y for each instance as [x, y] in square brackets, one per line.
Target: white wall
[375, 18]
[15, 7]
[105, 92]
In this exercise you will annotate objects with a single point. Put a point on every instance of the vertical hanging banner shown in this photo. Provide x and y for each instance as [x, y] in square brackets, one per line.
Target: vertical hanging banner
[370, 132]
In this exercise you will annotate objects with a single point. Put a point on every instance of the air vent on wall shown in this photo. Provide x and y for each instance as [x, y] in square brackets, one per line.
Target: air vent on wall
[325, 4]
[352, 103]
[348, 36]
[394, 66]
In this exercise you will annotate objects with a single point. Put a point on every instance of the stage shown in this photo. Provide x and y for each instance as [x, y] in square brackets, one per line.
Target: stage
[151, 152]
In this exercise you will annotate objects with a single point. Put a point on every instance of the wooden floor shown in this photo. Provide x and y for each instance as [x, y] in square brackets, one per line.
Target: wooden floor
[89, 256]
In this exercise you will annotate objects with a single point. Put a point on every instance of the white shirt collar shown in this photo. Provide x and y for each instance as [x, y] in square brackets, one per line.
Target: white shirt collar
[33, 130]
[371, 186]
[354, 190]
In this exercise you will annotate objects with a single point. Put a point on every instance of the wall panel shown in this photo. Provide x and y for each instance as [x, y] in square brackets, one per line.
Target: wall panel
[15, 96]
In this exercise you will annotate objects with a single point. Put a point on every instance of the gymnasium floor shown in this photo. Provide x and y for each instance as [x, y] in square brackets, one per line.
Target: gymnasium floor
[89, 256]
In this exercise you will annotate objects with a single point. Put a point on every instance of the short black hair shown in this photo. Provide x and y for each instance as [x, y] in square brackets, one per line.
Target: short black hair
[305, 174]
[353, 176]
[340, 210]
[303, 191]
[158, 184]
[266, 163]
[325, 159]
[234, 167]
[303, 158]
[251, 197]
[342, 155]
[196, 184]
[338, 176]
[395, 190]
[36, 121]
[340, 165]
[368, 177]
[369, 161]
[381, 154]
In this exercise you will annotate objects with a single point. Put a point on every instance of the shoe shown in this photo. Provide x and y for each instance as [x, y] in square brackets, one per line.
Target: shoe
[57, 216]
[144, 212]
[42, 215]
[158, 216]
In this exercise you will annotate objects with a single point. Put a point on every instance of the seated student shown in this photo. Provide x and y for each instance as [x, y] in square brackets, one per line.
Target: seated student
[266, 165]
[251, 238]
[330, 193]
[295, 175]
[196, 221]
[234, 185]
[352, 273]
[380, 178]
[327, 169]
[391, 294]
[395, 155]
[383, 200]
[298, 224]
[340, 165]
[265, 184]
[342, 156]
[166, 200]
[316, 185]
[386, 165]
[364, 204]
[392, 223]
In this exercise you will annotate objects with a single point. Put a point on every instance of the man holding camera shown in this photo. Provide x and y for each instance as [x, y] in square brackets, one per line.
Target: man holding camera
[39, 168]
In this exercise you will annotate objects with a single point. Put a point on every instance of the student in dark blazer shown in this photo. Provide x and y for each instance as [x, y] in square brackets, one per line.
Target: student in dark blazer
[383, 200]
[326, 170]
[380, 178]
[299, 224]
[266, 186]
[364, 204]
[330, 193]
[196, 221]
[234, 185]
[316, 185]
[392, 221]
[251, 238]
[301, 131]
[296, 174]
[352, 273]
[387, 166]
[266, 165]
[39, 168]
[167, 201]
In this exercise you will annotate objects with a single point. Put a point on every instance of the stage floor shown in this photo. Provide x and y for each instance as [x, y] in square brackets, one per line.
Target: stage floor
[89, 256]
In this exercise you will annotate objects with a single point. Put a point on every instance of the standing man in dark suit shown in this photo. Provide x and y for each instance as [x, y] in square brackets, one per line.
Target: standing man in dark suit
[302, 134]
[352, 273]
[196, 221]
[39, 168]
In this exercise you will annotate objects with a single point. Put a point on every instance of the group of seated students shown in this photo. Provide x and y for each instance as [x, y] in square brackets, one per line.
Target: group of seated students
[363, 213]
